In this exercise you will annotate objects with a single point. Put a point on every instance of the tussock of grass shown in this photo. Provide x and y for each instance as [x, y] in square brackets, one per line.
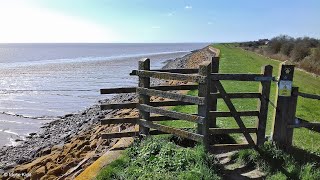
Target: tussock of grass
[276, 163]
[158, 158]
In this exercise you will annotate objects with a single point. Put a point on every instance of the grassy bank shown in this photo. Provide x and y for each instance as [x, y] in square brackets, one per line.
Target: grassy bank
[160, 158]
[276, 164]
[236, 60]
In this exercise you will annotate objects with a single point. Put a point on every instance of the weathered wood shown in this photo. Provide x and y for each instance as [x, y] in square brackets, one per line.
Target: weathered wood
[169, 88]
[133, 120]
[134, 105]
[239, 95]
[120, 135]
[181, 71]
[229, 114]
[235, 77]
[310, 96]
[263, 104]
[171, 95]
[118, 106]
[169, 76]
[177, 115]
[215, 61]
[118, 90]
[133, 89]
[144, 82]
[285, 105]
[171, 130]
[230, 130]
[169, 103]
[300, 123]
[229, 147]
[233, 110]
[203, 109]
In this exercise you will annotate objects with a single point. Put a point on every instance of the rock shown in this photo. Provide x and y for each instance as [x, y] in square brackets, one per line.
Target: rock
[37, 174]
[41, 161]
[49, 177]
[50, 165]
[57, 171]
[68, 115]
[57, 147]
[32, 134]
[45, 151]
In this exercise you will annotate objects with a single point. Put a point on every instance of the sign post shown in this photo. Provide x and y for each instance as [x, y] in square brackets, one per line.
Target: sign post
[284, 103]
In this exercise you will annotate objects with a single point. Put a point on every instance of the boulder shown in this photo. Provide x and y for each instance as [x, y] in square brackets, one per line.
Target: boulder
[37, 174]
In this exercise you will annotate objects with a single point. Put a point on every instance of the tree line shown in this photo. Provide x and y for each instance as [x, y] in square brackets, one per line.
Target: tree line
[302, 51]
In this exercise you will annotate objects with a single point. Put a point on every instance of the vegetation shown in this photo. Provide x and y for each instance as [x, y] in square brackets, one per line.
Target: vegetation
[303, 51]
[159, 158]
[276, 164]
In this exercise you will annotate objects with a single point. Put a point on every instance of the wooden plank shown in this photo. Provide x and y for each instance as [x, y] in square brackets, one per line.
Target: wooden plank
[263, 104]
[229, 114]
[118, 106]
[239, 95]
[233, 110]
[171, 130]
[313, 126]
[230, 130]
[144, 82]
[133, 120]
[310, 96]
[169, 88]
[119, 135]
[181, 71]
[177, 115]
[235, 77]
[169, 103]
[169, 76]
[229, 147]
[171, 95]
[133, 89]
[118, 90]
[134, 105]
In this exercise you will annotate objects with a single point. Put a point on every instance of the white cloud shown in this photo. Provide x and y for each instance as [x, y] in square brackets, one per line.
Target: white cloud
[188, 7]
[22, 22]
[155, 27]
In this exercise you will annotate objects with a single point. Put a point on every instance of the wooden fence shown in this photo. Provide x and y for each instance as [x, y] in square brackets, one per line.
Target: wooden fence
[207, 80]
[285, 117]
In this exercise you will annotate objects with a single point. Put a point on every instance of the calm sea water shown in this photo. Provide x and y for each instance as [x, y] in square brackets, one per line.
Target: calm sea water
[42, 81]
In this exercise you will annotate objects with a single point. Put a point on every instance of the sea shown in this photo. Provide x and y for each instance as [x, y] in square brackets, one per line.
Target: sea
[40, 82]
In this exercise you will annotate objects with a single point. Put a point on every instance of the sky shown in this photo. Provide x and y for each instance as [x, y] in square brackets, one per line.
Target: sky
[149, 21]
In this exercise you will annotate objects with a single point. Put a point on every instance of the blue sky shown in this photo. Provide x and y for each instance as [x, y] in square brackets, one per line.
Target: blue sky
[156, 21]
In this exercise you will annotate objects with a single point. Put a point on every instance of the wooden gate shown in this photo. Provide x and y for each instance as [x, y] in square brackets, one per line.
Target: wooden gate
[207, 81]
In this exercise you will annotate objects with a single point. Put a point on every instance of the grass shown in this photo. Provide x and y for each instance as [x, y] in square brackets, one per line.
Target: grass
[236, 60]
[159, 158]
[277, 164]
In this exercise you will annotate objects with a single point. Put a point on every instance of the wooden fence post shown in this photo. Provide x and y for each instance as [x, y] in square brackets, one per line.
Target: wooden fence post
[213, 103]
[291, 116]
[263, 115]
[284, 109]
[204, 110]
[144, 82]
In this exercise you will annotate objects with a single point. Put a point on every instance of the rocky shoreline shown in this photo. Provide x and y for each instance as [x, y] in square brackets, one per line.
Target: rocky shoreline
[67, 145]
